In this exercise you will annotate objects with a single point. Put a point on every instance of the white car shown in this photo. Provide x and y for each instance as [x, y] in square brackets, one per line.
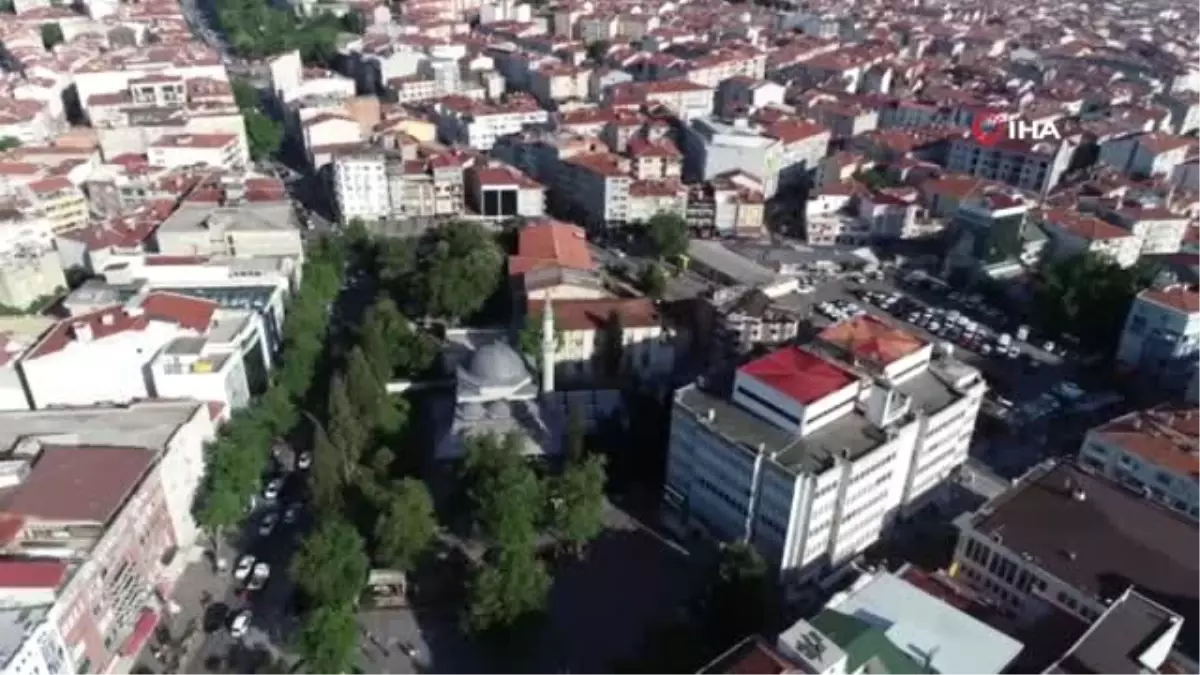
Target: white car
[244, 565]
[267, 526]
[1048, 345]
[271, 491]
[258, 578]
[240, 623]
[304, 460]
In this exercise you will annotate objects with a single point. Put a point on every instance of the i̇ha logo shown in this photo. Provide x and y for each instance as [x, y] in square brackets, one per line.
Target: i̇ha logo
[995, 127]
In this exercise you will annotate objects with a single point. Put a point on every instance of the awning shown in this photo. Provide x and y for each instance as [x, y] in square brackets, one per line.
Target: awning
[142, 628]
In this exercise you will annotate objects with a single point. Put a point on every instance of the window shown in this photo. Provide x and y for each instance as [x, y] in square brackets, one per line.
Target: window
[1163, 478]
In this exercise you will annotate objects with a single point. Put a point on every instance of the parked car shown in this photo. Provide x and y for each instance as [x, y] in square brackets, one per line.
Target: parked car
[291, 513]
[267, 525]
[271, 491]
[258, 578]
[240, 623]
[244, 565]
[304, 460]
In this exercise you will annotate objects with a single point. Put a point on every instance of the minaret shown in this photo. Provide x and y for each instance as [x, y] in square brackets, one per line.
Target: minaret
[548, 345]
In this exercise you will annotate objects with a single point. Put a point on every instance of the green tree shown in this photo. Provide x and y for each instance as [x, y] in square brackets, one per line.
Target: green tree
[576, 440]
[277, 410]
[739, 594]
[8, 143]
[374, 340]
[328, 640]
[346, 428]
[668, 234]
[407, 528]
[1088, 296]
[367, 393]
[529, 339]
[52, 34]
[6, 7]
[264, 134]
[653, 281]
[577, 504]
[611, 348]
[507, 494]
[331, 565]
[511, 586]
[325, 479]
[460, 268]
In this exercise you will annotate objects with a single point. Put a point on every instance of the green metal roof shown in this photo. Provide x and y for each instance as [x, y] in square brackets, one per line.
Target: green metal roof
[865, 643]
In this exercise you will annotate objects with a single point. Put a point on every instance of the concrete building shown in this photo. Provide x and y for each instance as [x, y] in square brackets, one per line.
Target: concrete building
[598, 186]
[1065, 540]
[1035, 167]
[217, 150]
[499, 191]
[1147, 154]
[156, 344]
[60, 202]
[1155, 452]
[1073, 233]
[1162, 337]
[96, 558]
[712, 147]
[29, 265]
[553, 259]
[360, 186]
[811, 453]
[236, 230]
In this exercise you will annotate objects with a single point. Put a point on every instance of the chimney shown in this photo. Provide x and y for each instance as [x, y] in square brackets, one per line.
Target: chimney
[82, 331]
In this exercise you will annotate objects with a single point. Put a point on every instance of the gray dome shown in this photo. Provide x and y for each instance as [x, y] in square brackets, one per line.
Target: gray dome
[497, 365]
[471, 411]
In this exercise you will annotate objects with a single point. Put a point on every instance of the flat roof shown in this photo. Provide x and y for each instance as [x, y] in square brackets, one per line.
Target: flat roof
[1102, 544]
[16, 625]
[928, 629]
[1116, 641]
[799, 374]
[851, 433]
[736, 268]
[149, 424]
[248, 216]
[751, 656]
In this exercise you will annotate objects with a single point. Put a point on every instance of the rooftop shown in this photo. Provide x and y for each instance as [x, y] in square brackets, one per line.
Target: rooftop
[799, 374]
[1101, 544]
[925, 627]
[867, 338]
[551, 243]
[1165, 436]
[1118, 641]
[752, 656]
[78, 483]
[1180, 298]
[145, 424]
[592, 314]
[16, 625]
[852, 433]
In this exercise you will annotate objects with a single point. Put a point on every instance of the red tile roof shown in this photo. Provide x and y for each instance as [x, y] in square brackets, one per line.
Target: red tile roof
[551, 244]
[592, 314]
[799, 374]
[1085, 226]
[78, 483]
[191, 313]
[1166, 436]
[869, 339]
[32, 573]
[1181, 298]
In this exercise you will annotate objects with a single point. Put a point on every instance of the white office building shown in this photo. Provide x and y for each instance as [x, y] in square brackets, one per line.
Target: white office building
[1162, 337]
[360, 186]
[811, 452]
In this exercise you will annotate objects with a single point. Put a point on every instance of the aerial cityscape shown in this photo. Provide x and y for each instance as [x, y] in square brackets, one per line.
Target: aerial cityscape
[603, 336]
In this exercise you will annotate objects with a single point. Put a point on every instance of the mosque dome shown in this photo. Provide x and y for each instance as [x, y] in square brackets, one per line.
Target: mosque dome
[498, 365]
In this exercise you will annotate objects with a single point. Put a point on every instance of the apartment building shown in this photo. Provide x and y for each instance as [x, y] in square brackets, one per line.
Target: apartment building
[1066, 540]
[731, 204]
[1162, 337]
[804, 144]
[1035, 167]
[810, 453]
[156, 344]
[1147, 154]
[746, 318]
[60, 202]
[360, 186]
[1159, 229]
[217, 150]
[712, 147]
[29, 265]
[90, 565]
[234, 229]
[1074, 233]
[1155, 452]
[553, 259]
[687, 100]
[598, 185]
[478, 125]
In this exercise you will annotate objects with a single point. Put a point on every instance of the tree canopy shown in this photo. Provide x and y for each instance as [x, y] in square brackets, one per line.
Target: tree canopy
[507, 494]
[450, 274]
[331, 565]
[9, 142]
[653, 281]
[668, 233]
[511, 586]
[257, 29]
[407, 527]
[577, 501]
[52, 34]
[739, 594]
[329, 639]
[1088, 296]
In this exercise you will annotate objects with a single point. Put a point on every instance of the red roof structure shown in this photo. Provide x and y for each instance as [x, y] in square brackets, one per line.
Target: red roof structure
[550, 244]
[32, 573]
[799, 374]
[78, 483]
[866, 338]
